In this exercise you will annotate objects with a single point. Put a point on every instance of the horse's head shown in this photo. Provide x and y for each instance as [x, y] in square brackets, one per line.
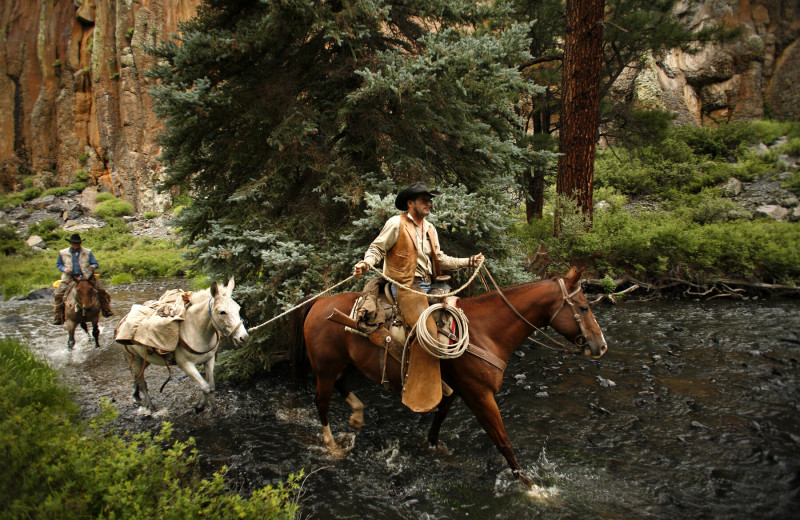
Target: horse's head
[573, 317]
[85, 296]
[225, 314]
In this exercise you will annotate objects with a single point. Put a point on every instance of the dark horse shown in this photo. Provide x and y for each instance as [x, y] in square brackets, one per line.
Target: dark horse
[495, 326]
[81, 307]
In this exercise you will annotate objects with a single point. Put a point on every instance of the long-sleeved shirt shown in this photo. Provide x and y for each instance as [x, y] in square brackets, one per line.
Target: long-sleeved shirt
[76, 265]
[388, 237]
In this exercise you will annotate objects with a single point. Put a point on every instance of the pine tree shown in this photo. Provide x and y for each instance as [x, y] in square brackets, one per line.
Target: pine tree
[634, 32]
[293, 125]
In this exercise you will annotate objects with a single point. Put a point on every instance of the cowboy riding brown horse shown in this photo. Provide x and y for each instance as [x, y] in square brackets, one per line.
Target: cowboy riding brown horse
[82, 307]
[499, 322]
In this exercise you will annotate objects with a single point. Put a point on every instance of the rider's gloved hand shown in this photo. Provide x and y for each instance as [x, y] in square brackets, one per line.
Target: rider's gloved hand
[360, 268]
[474, 261]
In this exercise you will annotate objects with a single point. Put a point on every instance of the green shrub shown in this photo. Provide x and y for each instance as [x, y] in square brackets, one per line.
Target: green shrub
[57, 468]
[769, 131]
[10, 242]
[9, 201]
[792, 183]
[47, 229]
[57, 191]
[81, 175]
[113, 208]
[709, 206]
[103, 196]
[148, 215]
[82, 158]
[31, 193]
[78, 186]
[122, 279]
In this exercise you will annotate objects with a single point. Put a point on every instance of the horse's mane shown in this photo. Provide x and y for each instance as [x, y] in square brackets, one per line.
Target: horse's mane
[508, 290]
[200, 296]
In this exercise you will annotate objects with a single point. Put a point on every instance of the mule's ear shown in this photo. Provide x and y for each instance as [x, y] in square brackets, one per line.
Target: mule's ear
[230, 284]
[214, 290]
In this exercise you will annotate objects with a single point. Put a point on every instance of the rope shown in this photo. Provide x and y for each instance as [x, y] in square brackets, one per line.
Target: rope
[329, 289]
[436, 348]
[452, 293]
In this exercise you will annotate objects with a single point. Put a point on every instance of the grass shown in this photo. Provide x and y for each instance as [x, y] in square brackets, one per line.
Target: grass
[123, 258]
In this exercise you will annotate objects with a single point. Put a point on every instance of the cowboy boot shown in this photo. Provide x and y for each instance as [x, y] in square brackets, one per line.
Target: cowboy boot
[58, 316]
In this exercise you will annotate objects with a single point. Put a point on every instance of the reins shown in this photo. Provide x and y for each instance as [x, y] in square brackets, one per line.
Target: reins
[537, 329]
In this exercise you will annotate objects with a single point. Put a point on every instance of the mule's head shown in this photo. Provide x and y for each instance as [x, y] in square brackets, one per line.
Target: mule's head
[573, 317]
[225, 314]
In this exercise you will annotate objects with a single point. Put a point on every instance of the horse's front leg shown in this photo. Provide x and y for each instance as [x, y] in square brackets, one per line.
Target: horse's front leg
[96, 334]
[209, 369]
[70, 335]
[438, 419]
[485, 409]
[191, 371]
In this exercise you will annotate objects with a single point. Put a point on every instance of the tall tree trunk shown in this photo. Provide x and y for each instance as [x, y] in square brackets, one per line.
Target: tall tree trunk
[534, 202]
[583, 52]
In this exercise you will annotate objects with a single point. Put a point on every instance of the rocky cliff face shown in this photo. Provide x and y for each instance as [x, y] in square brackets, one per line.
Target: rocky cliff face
[73, 95]
[753, 77]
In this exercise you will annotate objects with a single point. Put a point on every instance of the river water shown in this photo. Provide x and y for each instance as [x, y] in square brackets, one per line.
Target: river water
[694, 412]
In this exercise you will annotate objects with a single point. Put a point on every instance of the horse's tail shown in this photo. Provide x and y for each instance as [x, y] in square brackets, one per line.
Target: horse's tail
[299, 353]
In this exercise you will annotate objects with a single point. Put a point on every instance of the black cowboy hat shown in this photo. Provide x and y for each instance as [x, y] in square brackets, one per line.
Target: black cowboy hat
[74, 238]
[412, 192]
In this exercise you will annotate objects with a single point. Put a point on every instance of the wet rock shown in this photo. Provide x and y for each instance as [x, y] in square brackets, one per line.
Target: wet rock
[605, 383]
[699, 426]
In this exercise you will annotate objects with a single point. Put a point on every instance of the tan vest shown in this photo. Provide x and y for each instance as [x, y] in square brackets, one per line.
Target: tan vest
[83, 260]
[401, 260]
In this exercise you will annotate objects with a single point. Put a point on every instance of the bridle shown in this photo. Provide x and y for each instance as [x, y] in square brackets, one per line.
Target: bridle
[567, 299]
[76, 300]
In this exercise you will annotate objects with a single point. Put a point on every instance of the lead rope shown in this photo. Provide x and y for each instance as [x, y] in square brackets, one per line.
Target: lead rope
[329, 289]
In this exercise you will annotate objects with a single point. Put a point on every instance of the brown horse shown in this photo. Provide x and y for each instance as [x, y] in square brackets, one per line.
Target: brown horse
[82, 306]
[498, 324]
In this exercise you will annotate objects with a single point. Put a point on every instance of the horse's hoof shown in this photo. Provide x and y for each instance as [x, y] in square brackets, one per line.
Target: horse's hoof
[356, 423]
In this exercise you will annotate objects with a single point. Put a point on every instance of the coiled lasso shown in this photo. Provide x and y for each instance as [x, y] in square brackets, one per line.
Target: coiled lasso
[432, 345]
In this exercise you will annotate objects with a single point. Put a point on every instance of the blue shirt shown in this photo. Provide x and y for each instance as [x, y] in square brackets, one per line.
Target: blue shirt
[76, 265]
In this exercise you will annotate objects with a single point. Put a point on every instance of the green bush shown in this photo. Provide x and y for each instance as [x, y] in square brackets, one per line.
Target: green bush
[56, 468]
[11, 200]
[103, 196]
[113, 208]
[10, 242]
[57, 191]
[793, 183]
[122, 279]
[31, 193]
[149, 215]
[82, 158]
[47, 229]
[81, 175]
